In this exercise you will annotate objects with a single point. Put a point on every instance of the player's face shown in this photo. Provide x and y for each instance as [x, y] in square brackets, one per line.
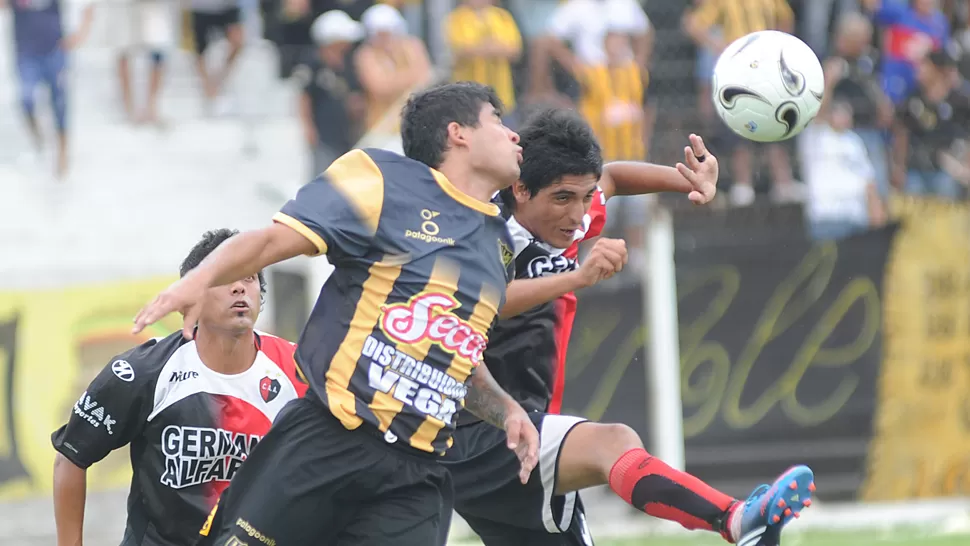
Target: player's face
[557, 211]
[494, 148]
[232, 307]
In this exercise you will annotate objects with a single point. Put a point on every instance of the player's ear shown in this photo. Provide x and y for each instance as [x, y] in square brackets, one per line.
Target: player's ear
[521, 192]
[456, 135]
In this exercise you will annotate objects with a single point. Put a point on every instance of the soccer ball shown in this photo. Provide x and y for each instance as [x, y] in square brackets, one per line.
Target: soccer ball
[767, 86]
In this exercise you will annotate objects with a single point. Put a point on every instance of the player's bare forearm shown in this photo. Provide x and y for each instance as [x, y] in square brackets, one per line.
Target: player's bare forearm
[249, 252]
[486, 399]
[70, 490]
[637, 178]
[524, 294]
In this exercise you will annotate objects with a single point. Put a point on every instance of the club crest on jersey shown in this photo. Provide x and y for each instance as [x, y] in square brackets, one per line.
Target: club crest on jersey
[269, 389]
[428, 316]
[505, 253]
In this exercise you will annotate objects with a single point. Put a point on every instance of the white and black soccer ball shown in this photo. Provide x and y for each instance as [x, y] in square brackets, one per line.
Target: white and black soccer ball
[767, 86]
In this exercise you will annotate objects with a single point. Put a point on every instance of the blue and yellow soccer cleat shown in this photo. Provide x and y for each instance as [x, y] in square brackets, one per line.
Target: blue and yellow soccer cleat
[769, 508]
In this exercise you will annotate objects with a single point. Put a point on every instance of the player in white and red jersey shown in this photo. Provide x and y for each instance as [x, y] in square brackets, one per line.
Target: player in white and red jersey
[191, 412]
[558, 202]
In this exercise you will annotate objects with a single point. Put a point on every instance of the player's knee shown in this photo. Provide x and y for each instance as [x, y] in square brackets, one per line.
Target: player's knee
[620, 438]
[157, 58]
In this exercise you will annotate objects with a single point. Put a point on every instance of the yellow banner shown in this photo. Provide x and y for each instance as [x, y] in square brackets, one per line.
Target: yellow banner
[921, 446]
[52, 344]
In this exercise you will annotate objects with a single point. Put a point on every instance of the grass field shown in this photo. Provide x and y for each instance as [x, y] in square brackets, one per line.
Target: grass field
[872, 538]
[875, 538]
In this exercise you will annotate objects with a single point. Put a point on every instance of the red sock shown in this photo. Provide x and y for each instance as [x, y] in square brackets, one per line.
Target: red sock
[650, 485]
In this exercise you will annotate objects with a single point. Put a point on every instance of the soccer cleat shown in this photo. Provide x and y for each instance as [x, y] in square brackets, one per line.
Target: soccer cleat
[769, 508]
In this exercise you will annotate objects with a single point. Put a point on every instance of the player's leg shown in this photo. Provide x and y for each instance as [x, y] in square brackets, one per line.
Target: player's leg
[599, 454]
[30, 73]
[55, 74]
[407, 510]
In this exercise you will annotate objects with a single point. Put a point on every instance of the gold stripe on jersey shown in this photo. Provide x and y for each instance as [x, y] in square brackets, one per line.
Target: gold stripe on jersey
[443, 280]
[300, 228]
[481, 320]
[360, 181]
[446, 186]
[373, 297]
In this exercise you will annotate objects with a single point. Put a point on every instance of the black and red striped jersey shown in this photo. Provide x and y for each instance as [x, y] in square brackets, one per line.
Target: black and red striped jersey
[189, 428]
[527, 353]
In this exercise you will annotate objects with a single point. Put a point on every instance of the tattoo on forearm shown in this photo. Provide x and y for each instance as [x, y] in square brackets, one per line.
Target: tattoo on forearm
[485, 398]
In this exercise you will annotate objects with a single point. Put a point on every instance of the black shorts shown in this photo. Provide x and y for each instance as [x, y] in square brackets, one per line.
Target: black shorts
[490, 497]
[204, 25]
[312, 481]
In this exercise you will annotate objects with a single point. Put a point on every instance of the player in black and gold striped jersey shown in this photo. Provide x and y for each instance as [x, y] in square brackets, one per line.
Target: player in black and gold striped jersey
[393, 347]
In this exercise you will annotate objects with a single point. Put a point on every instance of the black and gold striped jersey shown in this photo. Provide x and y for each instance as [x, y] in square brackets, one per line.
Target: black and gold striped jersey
[420, 274]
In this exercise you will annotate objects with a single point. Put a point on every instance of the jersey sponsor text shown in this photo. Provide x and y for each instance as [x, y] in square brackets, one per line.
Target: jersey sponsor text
[427, 316]
[196, 455]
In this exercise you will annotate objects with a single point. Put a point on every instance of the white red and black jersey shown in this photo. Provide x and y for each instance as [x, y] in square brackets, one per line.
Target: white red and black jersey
[527, 353]
[189, 428]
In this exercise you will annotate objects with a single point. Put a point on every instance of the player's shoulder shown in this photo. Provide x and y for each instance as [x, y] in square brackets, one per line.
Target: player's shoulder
[278, 350]
[144, 362]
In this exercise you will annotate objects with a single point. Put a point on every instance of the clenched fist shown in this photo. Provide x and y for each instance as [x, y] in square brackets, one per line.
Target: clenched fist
[606, 259]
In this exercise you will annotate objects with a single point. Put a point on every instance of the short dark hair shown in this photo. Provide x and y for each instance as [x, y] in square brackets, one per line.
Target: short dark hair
[211, 240]
[555, 143]
[425, 117]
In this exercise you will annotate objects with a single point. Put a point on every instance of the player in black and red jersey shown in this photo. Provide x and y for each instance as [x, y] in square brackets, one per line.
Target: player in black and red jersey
[191, 411]
[558, 202]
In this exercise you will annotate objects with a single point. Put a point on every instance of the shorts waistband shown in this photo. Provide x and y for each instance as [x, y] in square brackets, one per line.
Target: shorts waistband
[373, 434]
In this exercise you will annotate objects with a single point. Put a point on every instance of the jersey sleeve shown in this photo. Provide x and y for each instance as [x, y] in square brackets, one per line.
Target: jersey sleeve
[113, 410]
[597, 215]
[340, 209]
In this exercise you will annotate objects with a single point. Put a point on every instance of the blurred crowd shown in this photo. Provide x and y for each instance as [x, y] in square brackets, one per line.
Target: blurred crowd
[895, 118]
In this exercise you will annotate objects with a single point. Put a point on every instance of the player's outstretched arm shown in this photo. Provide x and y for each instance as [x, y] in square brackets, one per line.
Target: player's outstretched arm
[237, 258]
[489, 402]
[697, 176]
[607, 258]
[70, 491]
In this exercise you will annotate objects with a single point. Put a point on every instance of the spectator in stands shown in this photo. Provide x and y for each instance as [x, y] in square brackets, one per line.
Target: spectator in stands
[613, 101]
[815, 18]
[909, 32]
[703, 71]
[842, 195]
[391, 63]
[930, 155]
[576, 35]
[484, 42]
[851, 75]
[288, 25]
[40, 52]
[331, 105]
[141, 25]
[735, 18]
[210, 18]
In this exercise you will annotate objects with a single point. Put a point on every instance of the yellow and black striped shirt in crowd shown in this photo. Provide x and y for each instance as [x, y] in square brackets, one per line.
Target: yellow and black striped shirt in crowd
[401, 324]
[739, 17]
[468, 28]
[612, 100]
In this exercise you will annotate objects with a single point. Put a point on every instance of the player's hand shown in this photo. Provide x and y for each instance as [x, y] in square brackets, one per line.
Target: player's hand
[607, 258]
[700, 169]
[184, 296]
[523, 439]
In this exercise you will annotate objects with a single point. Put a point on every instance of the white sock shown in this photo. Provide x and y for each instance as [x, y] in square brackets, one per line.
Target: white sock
[734, 522]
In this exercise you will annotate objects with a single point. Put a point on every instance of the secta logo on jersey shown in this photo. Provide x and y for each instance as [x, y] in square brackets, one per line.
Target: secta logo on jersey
[428, 317]
[269, 389]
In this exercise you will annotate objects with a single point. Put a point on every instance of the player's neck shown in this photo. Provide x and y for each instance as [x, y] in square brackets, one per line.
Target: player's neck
[224, 352]
[468, 181]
